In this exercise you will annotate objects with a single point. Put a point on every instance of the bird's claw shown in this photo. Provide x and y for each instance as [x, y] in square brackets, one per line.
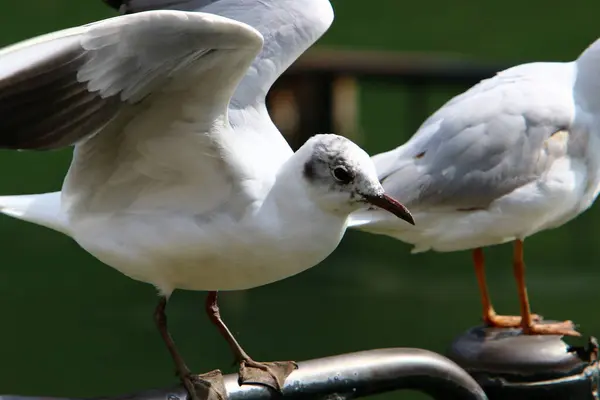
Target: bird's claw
[270, 374]
[565, 328]
[508, 321]
[208, 386]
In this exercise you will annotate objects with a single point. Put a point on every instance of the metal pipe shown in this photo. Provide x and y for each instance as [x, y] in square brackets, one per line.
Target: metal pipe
[345, 376]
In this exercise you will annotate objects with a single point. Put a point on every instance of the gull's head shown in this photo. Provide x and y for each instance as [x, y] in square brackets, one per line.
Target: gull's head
[341, 178]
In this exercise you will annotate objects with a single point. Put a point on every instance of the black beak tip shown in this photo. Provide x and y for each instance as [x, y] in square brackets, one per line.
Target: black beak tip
[409, 218]
[391, 205]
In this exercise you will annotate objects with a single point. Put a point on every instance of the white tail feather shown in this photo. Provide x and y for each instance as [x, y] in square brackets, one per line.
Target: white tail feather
[42, 209]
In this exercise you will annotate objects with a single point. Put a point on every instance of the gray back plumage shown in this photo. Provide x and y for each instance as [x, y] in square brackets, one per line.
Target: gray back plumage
[486, 142]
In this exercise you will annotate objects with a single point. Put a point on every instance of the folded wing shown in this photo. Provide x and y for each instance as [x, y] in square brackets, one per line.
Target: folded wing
[482, 145]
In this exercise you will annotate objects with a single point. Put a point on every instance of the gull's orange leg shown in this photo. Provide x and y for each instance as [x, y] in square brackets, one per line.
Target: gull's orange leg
[528, 324]
[272, 374]
[490, 317]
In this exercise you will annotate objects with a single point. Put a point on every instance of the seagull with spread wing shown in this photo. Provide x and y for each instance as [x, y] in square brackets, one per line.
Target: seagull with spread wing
[179, 178]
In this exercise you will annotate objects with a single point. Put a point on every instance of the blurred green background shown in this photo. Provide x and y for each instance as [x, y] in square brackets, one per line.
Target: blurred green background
[71, 326]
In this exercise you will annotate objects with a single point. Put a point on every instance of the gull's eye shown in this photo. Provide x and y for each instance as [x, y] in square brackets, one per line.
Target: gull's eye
[342, 175]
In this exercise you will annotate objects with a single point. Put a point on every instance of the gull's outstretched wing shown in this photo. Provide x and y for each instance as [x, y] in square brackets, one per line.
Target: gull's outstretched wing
[289, 28]
[487, 142]
[144, 96]
[58, 88]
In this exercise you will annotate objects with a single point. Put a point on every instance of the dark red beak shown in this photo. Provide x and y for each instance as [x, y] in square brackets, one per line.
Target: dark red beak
[390, 204]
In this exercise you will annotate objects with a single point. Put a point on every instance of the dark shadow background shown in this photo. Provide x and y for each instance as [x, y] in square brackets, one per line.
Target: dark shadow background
[70, 326]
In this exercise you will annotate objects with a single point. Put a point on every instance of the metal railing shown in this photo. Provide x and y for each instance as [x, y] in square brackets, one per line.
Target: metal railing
[347, 376]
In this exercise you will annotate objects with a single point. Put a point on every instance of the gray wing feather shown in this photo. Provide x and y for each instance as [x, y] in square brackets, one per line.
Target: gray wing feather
[65, 86]
[42, 106]
[479, 147]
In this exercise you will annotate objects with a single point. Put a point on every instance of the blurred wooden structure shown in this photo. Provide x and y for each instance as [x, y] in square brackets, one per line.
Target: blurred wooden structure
[320, 92]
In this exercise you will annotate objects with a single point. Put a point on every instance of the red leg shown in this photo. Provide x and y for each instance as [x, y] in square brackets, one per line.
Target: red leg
[490, 317]
[212, 380]
[272, 374]
[529, 326]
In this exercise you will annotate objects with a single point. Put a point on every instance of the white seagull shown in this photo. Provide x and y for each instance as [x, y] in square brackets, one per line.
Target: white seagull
[512, 156]
[179, 178]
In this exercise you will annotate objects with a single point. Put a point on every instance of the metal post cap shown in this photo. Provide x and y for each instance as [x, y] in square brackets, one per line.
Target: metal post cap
[508, 364]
